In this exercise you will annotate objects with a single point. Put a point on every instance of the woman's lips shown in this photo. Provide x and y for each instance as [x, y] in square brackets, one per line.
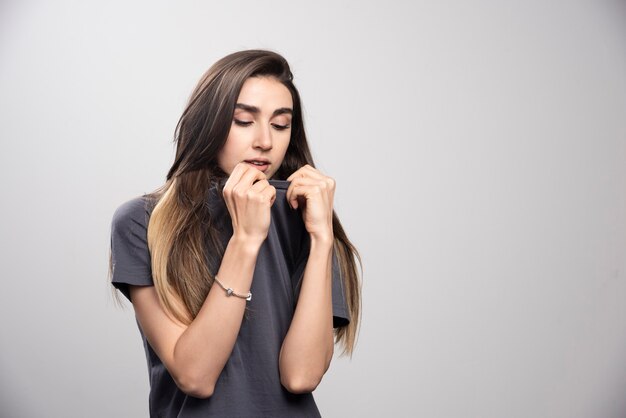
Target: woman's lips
[259, 167]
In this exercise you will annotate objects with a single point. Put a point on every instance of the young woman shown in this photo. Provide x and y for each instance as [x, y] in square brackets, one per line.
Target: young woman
[238, 269]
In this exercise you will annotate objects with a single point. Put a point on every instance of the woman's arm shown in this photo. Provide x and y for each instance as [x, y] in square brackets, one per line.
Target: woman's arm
[308, 346]
[195, 355]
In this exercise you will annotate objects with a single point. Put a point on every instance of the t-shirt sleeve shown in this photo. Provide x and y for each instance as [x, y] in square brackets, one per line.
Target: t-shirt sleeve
[341, 315]
[129, 246]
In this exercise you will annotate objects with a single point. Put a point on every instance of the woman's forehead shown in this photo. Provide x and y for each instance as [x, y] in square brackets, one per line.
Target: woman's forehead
[265, 94]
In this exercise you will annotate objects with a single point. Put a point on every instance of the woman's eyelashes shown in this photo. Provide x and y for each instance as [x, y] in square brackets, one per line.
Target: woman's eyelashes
[247, 123]
[280, 127]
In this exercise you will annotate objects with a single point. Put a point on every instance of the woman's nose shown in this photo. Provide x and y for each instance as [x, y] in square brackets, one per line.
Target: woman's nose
[263, 137]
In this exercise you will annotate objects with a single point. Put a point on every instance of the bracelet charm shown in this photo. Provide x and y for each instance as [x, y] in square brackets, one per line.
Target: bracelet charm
[231, 292]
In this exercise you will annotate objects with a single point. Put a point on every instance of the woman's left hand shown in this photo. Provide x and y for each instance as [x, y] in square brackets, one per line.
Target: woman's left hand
[314, 193]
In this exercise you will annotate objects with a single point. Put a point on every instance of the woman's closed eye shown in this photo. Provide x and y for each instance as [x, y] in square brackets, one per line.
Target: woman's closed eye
[247, 123]
[280, 127]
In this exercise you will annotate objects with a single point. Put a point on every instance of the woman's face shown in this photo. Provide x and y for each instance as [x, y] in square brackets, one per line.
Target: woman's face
[261, 126]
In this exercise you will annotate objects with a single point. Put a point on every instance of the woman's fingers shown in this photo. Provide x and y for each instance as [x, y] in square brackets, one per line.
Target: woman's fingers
[305, 171]
[264, 188]
[303, 176]
[249, 177]
[247, 194]
[297, 188]
[243, 176]
[270, 192]
[234, 177]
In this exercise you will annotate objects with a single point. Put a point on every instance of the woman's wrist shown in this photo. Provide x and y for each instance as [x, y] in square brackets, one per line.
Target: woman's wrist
[322, 240]
[246, 243]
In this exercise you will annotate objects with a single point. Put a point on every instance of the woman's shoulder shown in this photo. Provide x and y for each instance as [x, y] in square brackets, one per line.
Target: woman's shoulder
[135, 210]
[130, 254]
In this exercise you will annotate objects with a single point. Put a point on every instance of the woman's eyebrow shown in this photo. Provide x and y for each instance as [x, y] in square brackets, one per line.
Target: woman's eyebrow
[256, 110]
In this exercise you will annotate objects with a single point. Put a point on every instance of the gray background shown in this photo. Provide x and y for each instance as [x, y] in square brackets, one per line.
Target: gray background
[479, 150]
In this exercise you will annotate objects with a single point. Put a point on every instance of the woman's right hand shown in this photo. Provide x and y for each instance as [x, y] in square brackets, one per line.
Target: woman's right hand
[249, 203]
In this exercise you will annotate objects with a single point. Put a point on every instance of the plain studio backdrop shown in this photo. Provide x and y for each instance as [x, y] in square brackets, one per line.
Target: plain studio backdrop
[479, 150]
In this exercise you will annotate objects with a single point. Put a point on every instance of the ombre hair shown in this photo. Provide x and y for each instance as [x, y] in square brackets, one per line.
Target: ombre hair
[182, 238]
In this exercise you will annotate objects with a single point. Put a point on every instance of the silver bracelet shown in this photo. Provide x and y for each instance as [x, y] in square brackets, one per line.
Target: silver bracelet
[231, 292]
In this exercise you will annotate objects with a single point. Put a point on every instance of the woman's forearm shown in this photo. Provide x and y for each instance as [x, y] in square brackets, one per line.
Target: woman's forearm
[204, 348]
[308, 346]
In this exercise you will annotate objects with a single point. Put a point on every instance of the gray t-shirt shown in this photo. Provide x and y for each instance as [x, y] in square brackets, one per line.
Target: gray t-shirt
[249, 385]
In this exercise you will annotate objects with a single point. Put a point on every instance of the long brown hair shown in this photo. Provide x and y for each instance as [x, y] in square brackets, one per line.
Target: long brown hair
[180, 225]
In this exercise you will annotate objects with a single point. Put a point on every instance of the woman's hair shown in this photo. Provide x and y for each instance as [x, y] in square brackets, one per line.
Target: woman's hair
[181, 226]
